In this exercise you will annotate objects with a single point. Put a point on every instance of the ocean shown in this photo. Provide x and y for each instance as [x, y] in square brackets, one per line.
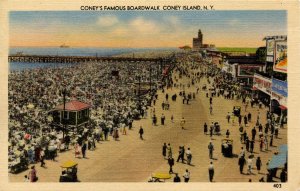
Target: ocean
[13, 66]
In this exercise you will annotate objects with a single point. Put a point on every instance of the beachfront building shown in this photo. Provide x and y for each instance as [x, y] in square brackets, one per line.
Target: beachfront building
[197, 42]
[76, 113]
[272, 83]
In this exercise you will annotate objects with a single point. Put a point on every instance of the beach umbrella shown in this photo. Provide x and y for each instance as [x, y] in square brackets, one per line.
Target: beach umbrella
[27, 136]
[50, 118]
[30, 106]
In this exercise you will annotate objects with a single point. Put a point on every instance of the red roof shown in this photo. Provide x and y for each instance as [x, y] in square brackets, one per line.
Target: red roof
[73, 106]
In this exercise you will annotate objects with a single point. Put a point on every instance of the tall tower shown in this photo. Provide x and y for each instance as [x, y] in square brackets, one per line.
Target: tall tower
[200, 37]
[197, 42]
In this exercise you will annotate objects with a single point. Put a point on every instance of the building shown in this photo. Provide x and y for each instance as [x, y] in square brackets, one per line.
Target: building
[76, 113]
[198, 42]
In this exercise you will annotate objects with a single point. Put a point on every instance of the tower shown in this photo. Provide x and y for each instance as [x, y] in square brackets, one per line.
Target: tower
[197, 42]
[200, 37]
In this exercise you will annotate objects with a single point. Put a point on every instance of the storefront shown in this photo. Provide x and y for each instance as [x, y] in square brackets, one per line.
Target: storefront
[262, 88]
[279, 94]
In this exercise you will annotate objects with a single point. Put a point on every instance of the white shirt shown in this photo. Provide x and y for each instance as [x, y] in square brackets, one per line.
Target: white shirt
[188, 152]
[186, 175]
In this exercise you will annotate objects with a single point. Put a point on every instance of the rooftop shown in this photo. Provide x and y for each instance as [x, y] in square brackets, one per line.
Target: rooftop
[73, 106]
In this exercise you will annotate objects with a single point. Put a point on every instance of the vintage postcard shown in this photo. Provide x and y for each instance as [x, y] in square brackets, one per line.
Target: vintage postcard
[149, 95]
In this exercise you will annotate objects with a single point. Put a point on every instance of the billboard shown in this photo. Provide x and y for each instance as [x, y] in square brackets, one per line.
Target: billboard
[279, 87]
[280, 56]
[262, 83]
[247, 70]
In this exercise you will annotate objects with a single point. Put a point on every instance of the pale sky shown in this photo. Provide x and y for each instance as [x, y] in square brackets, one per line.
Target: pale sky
[137, 29]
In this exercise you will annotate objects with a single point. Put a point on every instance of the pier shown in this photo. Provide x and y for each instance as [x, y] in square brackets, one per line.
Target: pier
[77, 59]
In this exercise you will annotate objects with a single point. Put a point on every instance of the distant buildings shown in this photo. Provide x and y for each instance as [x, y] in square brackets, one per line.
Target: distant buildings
[198, 42]
[265, 78]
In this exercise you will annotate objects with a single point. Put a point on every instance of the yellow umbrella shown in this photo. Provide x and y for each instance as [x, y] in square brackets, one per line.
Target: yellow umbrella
[30, 106]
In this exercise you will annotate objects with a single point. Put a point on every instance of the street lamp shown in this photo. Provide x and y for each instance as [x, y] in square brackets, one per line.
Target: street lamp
[64, 92]
[139, 94]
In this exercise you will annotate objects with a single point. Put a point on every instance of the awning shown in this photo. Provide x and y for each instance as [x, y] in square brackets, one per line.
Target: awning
[283, 149]
[277, 161]
[282, 107]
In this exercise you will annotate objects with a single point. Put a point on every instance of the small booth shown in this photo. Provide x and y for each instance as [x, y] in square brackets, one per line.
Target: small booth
[74, 113]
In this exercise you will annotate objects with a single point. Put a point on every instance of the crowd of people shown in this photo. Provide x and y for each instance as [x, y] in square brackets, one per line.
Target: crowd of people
[219, 84]
[116, 101]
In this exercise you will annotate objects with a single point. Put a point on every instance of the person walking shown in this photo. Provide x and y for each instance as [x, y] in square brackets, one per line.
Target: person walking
[205, 128]
[245, 121]
[189, 156]
[261, 144]
[162, 119]
[32, 174]
[249, 163]
[77, 150]
[258, 164]
[227, 133]
[247, 142]
[211, 129]
[253, 133]
[249, 117]
[240, 120]
[186, 176]
[210, 149]
[42, 157]
[228, 117]
[251, 146]
[242, 153]
[242, 163]
[169, 150]
[181, 154]
[266, 143]
[210, 109]
[164, 150]
[171, 164]
[83, 149]
[141, 132]
[211, 171]
[182, 122]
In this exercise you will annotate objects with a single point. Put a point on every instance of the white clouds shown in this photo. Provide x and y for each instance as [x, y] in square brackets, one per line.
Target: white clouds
[142, 25]
[108, 21]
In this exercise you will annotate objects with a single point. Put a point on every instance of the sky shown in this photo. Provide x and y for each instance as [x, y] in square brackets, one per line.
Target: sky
[136, 29]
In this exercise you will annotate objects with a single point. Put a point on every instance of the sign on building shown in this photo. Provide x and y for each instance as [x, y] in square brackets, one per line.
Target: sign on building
[262, 83]
[280, 56]
[280, 91]
[247, 70]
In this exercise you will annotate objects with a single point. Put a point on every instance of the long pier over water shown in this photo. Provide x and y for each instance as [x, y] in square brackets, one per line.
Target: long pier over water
[77, 59]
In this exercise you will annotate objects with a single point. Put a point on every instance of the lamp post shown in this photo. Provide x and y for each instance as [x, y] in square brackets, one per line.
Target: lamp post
[64, 92]
[139, 94]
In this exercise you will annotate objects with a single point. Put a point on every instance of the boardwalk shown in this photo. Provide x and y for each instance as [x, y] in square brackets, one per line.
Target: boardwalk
[133, 160]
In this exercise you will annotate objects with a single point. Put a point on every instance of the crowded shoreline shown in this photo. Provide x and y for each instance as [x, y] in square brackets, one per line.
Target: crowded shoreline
[29, 117]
